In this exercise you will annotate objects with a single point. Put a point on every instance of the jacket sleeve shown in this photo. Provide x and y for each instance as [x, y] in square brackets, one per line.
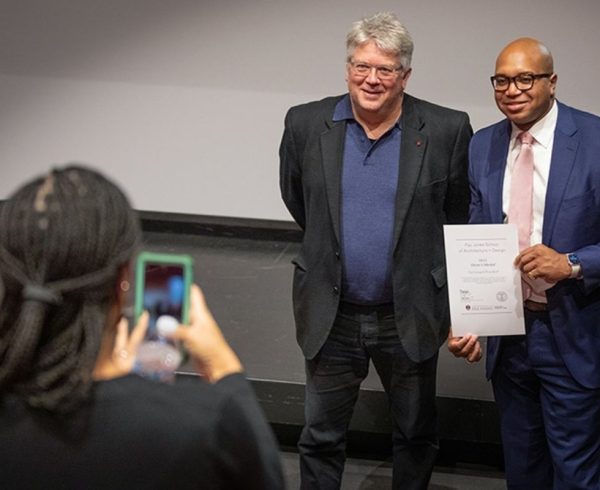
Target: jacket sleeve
[457, 200]
[290, 172]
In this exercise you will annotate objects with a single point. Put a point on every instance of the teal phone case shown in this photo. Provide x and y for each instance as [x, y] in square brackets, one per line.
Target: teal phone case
[145, 258]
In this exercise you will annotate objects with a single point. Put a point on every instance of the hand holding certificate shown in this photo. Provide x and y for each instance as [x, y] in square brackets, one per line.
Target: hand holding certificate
[484, 286]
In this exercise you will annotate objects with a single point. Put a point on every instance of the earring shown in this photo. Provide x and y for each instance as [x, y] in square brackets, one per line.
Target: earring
[124, 285]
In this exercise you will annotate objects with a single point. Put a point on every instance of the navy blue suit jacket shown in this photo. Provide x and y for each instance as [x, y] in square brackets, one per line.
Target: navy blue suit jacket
[571, 224]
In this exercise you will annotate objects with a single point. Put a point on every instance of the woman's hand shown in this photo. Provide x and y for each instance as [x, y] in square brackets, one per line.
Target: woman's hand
[117, 354]
[204, 341]
[126, 344]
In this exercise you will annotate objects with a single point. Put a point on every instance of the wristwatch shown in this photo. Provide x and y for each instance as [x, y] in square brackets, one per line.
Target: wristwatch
[575, 264]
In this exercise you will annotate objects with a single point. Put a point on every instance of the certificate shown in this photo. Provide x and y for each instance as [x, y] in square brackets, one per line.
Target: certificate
[484, 285]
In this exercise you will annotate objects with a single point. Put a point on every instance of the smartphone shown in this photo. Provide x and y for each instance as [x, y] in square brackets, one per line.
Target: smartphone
[162, 287]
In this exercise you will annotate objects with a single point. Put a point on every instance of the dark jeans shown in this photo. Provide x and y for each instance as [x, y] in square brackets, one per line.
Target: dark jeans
[333, 380]
[550, 424]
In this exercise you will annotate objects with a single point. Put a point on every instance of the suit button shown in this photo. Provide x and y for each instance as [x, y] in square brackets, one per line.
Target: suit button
[337, 254]
[335, 290]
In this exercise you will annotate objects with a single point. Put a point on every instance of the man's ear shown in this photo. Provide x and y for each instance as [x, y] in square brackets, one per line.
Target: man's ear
[553, 80]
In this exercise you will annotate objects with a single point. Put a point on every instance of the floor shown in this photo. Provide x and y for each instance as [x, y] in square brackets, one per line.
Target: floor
[364, 474]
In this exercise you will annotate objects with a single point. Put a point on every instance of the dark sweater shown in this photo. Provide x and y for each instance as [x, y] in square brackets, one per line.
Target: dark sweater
[140, 434]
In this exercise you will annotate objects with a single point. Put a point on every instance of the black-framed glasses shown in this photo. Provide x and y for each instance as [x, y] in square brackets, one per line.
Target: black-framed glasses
[383, 72]
[523, 81]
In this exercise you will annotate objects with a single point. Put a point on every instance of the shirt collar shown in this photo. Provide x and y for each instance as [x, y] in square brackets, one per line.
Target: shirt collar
[343, 109]
[542, 131]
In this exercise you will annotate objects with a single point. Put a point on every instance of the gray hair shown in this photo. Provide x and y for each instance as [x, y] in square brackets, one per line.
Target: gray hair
[388, 33]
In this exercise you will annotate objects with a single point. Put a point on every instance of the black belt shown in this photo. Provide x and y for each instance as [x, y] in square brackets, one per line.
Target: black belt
[535, 305]
[354, 309]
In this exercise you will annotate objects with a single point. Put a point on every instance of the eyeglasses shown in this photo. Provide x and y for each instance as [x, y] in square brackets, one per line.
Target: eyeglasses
[523, 81]
[382, 72]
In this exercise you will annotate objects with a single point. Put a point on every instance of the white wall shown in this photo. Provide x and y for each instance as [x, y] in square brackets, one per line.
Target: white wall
[182, 101]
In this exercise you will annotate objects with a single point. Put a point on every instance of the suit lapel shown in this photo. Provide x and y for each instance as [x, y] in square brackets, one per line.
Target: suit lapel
[412, 148]
[332, 156]
[496, 169]
[564, 150]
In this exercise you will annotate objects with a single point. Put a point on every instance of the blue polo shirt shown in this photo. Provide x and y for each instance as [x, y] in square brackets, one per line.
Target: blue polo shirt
[368, 207]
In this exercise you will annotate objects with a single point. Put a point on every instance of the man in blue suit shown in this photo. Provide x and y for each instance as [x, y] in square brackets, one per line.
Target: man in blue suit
[546, 382]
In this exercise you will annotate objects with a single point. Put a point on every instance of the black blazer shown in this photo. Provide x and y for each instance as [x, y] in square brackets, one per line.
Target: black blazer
[432, 190]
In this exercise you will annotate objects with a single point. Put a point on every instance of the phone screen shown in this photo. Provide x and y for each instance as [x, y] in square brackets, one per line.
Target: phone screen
[163, 296]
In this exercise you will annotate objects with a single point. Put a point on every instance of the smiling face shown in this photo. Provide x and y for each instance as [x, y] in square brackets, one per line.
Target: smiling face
[372, 98]
[525, 108]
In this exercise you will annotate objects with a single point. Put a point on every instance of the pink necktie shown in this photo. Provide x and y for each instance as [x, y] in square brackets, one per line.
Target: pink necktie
[520, 210]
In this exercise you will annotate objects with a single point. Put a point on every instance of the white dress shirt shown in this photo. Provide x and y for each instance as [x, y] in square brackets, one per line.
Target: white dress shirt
[543, 134]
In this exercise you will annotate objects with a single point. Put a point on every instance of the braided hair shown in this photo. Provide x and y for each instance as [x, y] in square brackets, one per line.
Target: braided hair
[64, 239]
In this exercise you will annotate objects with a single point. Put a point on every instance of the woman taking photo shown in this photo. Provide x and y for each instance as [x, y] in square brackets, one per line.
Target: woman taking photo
[71, 413]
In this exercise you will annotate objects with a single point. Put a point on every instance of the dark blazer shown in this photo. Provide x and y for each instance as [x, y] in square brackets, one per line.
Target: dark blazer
[432, 190]
[571, 224]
